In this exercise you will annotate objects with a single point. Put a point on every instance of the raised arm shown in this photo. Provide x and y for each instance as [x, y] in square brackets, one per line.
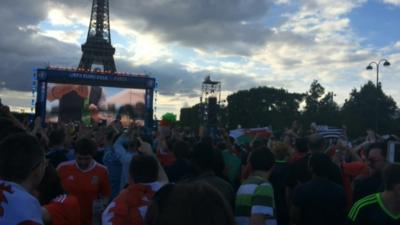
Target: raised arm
[146, 149]
[119, 148]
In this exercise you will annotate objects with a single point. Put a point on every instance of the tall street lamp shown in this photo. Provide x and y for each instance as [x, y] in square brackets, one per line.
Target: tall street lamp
[369, 67]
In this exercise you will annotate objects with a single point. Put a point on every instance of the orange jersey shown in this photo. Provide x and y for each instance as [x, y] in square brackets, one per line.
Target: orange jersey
[130, 206]
[87, 185]
[64, 210]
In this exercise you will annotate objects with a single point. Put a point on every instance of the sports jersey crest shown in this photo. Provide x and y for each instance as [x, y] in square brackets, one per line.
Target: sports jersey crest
[95, 180]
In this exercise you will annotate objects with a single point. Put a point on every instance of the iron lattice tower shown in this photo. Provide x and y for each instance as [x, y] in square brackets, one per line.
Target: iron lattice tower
[210, 100]
[98, 48]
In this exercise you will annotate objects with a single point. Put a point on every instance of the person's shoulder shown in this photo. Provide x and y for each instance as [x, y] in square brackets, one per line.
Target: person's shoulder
[264, 188]
[303, 187]
[100, 171]
[360, 181]
[123, 195]
[254, 180]
[316, 185]
[361, 204]
[63, 202]
[100, 167]
[66, 165]
[14, 195]
[217, 182]
[18, 194]
[302, 193]
[67, 200]
[303, 161]
[221, 181]
[366, 180]
[337, 190]
[354, 165]
[134, 192]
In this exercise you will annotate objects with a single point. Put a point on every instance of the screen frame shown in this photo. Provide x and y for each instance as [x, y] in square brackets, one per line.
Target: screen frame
[93, 78]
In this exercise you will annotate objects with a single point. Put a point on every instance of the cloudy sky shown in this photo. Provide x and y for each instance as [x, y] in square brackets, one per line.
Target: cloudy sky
[242, 43]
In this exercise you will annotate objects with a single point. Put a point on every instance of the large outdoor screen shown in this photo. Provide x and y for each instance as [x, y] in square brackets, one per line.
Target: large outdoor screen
[74, 102]
[93, 97]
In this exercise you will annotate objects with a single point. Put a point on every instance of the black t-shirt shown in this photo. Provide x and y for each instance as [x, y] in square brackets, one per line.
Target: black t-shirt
[221, 185]
[277, 179]
[70, 107]
[180, 170]
[321, 202]
[366, 186]
[57, 156]
[299, 173]
[71, 104]
[371, 211]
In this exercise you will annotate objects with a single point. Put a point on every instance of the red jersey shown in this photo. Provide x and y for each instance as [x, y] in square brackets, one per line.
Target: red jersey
[87, 185]
[166, 158]
[297, 156]
[349, 172]
[130, 206]
[64, 210]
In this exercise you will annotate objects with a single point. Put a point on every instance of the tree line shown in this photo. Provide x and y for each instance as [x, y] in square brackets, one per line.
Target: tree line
[278, 108]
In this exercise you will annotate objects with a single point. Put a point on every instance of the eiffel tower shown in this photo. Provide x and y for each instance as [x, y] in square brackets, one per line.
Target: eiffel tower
[98, 48]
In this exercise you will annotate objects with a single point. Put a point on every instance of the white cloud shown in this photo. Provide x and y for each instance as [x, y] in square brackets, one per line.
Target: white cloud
[141, 49]
[60, 15]
[393, 2]
[173, 104]
[328, 8]
[282, 2]
[16, 98]
[71, 37]
[327, 50]
[230, 41]
[57, 17]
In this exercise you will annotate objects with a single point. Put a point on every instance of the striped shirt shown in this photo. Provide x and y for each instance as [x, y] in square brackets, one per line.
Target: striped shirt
[370, 210]
[255, 196]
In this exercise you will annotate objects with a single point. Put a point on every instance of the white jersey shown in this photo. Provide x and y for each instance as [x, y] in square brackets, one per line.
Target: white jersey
[17, 206]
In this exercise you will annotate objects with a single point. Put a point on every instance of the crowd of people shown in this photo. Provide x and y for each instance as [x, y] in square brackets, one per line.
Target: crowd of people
[69, 174]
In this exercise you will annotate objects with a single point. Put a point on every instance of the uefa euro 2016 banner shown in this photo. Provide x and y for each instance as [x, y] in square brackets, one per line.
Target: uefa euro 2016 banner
[94, 78]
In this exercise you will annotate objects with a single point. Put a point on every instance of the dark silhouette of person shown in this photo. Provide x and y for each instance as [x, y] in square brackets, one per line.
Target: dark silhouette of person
[72, 100]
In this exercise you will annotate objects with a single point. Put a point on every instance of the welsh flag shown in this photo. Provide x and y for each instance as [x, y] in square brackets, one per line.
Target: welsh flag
[245, 136]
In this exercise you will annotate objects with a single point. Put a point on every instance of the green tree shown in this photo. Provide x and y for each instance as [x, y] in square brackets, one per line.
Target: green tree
[320, 107]
[329, 110]
[359, 110]
[263, 106]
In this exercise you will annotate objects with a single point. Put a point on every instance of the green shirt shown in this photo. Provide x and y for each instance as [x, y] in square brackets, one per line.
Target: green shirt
[233, 166]
[255, 196]
[370, 210]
